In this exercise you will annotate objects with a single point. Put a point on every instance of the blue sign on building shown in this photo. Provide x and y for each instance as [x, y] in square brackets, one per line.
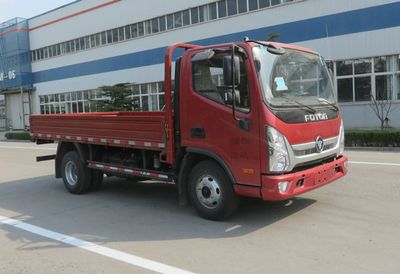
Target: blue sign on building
[15, 60]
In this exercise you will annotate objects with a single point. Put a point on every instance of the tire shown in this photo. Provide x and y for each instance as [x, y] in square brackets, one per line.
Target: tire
[211, 191]
[76, 176]
[96, 180]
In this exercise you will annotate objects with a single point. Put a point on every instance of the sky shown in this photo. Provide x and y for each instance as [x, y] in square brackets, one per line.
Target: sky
[27, 8]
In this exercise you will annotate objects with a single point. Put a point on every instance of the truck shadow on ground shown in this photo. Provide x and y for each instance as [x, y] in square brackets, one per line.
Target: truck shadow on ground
[126, 211]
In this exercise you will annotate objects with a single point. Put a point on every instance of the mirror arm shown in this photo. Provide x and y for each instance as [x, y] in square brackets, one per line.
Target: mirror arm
[233, 83]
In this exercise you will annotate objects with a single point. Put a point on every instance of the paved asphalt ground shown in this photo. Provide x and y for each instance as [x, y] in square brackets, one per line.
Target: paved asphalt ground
[350, 226]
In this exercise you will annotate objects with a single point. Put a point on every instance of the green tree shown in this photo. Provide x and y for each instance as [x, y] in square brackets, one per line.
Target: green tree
[116, 98]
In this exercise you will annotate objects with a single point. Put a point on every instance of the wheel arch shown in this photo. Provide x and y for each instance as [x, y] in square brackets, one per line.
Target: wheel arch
[65, 147]
[190, 159]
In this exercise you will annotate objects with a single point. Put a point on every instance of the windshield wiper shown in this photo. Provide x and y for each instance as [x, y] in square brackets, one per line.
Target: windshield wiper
[322, 100]
[310, 109]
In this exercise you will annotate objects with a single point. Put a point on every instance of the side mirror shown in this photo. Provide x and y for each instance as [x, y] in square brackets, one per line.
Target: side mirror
[227, 66]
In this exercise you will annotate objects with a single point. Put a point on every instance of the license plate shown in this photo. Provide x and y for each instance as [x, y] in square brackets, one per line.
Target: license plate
[324, 176]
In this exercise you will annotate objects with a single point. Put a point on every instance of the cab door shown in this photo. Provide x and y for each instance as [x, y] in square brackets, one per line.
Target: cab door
[207, 118]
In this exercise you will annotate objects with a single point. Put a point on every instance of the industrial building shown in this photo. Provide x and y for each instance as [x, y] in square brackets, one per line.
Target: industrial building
[55, 62]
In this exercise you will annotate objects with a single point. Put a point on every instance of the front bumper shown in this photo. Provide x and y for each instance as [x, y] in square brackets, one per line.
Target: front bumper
[302, 181]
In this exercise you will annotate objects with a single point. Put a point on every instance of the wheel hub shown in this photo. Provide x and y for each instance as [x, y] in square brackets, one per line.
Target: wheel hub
[71, 173]
[208, 192]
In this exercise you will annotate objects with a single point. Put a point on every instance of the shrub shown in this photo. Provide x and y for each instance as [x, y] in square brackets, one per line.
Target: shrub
[372, 138]
[18, 135]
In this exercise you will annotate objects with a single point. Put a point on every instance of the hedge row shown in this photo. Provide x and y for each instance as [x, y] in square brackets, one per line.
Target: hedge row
[18, 135]
[372, 138]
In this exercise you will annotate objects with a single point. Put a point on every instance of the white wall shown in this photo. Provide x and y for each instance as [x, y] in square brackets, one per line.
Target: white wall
[364, 44]
[361, 115]
[116, 15]
[358, 45]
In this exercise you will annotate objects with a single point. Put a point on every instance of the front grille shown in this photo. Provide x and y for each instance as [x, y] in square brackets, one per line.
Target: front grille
[305, 155]
[311, 150]
[307, 165]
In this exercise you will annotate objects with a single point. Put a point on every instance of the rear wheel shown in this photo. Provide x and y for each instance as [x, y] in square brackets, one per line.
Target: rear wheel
[76, 176]
[211, 191]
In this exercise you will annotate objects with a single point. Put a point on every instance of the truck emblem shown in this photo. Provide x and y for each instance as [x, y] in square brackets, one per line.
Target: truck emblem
[319, 144]
[316, 117]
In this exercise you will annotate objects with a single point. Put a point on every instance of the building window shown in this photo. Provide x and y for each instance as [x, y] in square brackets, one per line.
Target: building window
[170, 21]
[345, 90]
[128, 33]
[162, 23]
[148, 97]
[384, 87]
[203, 13]
[362, 87]
[155, 25]
[186, 17]
[134, 30]
[222, 9]
[253, 5]
[242, 6]
[103, 38]
[2, 113]
[115, 35]
[232, 7]
[121, 34]
[397, 85]
[344, 68]
[359, 79]
[212, 10]
[362, 66]
[195, 15]
[82, 42]
[141, 29]
[382, 64]
[148, 27]
[87, 43]
[145, 97]
[178, 20]
[264, 3]
[109, 36]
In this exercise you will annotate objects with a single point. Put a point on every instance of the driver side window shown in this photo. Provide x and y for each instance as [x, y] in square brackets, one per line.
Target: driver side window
[208, 81]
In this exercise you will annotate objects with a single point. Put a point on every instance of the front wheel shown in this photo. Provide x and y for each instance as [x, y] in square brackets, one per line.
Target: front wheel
[76, 176]
[211, 191]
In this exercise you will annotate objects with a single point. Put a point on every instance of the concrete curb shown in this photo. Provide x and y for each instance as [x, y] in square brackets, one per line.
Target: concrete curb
[377, 149]
[15, 141]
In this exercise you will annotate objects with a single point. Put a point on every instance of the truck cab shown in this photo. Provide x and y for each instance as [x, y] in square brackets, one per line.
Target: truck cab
[266, 114]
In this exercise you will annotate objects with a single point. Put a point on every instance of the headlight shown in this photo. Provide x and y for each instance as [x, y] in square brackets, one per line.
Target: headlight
[341, 145]
[277, 150]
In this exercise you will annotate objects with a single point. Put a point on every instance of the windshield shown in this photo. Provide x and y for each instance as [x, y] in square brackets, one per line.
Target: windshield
[293, 79]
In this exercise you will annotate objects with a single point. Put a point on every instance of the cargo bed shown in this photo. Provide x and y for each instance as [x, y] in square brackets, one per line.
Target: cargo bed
[122, 129]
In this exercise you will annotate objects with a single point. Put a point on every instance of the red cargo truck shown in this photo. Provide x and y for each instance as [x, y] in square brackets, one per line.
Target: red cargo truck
[254, 119]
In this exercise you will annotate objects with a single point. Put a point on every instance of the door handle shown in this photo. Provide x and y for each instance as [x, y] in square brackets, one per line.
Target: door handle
[244, 124]
[197, 132]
